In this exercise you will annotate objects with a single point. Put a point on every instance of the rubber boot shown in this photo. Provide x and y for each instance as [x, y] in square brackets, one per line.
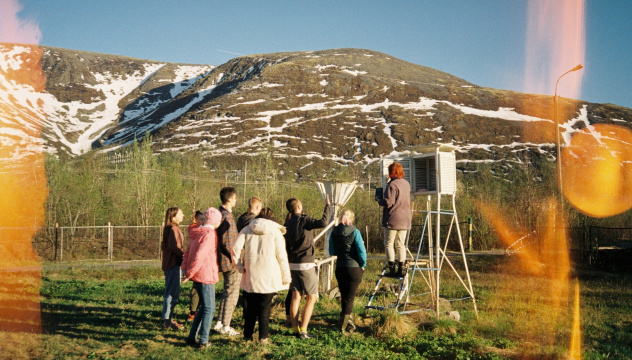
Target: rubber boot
[343, 326]
[391, 268]
[350, 324]
[401, 268]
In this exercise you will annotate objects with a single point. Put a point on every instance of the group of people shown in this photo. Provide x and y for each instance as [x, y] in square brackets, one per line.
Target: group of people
[262, 257]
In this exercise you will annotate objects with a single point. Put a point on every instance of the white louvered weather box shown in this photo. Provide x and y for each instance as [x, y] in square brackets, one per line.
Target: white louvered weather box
[429, 169]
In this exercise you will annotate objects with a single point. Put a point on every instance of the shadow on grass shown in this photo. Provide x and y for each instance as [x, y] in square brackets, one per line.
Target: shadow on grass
[104, 323]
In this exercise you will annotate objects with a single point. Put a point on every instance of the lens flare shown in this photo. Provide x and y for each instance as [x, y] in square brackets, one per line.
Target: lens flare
[576, 339]
[556, 41]
[539, 298]
[23, 184]
[597, 170]
[22, 175]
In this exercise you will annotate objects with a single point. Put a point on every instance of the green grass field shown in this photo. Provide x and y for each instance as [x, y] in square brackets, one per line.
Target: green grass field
[90, 313]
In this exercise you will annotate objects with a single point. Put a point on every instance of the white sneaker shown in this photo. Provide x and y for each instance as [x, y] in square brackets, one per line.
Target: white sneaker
[227, 330]
[218, 327]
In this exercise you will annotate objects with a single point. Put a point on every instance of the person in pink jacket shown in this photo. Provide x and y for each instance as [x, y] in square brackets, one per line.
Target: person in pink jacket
[265, 270]
[200, 263]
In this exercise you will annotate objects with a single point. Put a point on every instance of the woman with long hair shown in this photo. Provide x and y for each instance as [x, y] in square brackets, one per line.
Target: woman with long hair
[396, 218]
[346, 243]
[171, 260]
[265, 270]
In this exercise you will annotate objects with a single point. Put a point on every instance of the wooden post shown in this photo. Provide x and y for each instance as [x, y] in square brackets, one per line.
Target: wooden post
[162, 228]
[61, 246]
[469, 234]
[367, 239]
[245, 177]
[56, 240]
[110, 241]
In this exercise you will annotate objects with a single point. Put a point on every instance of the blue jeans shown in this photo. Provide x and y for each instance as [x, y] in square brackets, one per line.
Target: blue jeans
[172, 291]
[202, 322]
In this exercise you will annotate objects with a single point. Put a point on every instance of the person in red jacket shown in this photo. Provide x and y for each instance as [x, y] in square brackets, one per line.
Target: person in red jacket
[200, 264]
[171, 247]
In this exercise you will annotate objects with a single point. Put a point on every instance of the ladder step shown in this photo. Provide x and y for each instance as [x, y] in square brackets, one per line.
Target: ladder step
[380, 307]
[424, 262]
[391, 277]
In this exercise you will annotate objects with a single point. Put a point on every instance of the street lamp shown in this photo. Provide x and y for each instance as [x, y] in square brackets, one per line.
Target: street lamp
[557, 135]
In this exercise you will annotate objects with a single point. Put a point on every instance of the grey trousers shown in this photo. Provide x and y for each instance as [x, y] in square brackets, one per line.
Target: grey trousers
[232, 281]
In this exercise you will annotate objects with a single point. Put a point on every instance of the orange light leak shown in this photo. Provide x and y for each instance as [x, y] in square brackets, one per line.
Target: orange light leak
[597, 170]
[576, 339]
[24, 191]
[555, 44]
[22, 179]
[548, 262]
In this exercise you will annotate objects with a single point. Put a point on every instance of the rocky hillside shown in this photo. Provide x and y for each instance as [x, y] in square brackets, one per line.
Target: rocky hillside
[343, 106]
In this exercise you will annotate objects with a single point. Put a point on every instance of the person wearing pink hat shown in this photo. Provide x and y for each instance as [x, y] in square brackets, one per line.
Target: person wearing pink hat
[200, 263]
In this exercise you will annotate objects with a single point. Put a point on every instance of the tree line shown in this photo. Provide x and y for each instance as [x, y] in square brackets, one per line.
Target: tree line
[135, 188]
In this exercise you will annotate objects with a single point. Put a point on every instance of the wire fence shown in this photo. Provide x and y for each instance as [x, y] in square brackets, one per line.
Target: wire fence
[601, 246]
[109, 242]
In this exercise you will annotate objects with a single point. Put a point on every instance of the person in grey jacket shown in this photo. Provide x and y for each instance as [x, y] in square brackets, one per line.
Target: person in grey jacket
[346, 243]
[396, 218]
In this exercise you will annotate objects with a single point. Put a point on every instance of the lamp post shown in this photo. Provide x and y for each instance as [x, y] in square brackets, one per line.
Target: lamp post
[557, 136]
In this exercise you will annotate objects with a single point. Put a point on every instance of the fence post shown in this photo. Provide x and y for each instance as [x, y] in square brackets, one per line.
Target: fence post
[109, 241]
[162, 227]
[61, 246]
[56, 246]
[245, 177]
[469, 233]
[367, 238]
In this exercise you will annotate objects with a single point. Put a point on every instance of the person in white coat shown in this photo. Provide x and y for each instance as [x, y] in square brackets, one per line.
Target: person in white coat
[265, 270]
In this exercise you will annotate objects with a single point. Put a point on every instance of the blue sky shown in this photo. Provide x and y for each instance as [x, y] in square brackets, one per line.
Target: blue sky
[480, 41]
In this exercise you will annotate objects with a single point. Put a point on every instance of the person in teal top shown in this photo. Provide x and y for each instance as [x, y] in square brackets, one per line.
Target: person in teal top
[346, 243]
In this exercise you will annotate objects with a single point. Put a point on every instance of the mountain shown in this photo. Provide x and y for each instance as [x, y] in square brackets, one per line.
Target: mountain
[343, 106]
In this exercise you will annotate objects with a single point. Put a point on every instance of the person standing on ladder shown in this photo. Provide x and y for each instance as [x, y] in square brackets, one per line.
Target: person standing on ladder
[396, 218]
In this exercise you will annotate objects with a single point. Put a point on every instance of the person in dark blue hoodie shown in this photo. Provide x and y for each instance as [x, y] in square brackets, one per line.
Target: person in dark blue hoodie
[346, 243]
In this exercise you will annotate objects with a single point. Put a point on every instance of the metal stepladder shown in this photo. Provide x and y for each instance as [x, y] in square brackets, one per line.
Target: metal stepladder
[427, 266]
[401, 289]
[437, 256]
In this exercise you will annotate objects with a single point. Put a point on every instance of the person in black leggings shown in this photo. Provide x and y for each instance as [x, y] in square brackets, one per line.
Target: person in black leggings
[346, 243]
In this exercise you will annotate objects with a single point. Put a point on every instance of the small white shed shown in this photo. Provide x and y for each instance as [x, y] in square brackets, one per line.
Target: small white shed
[429, 169]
